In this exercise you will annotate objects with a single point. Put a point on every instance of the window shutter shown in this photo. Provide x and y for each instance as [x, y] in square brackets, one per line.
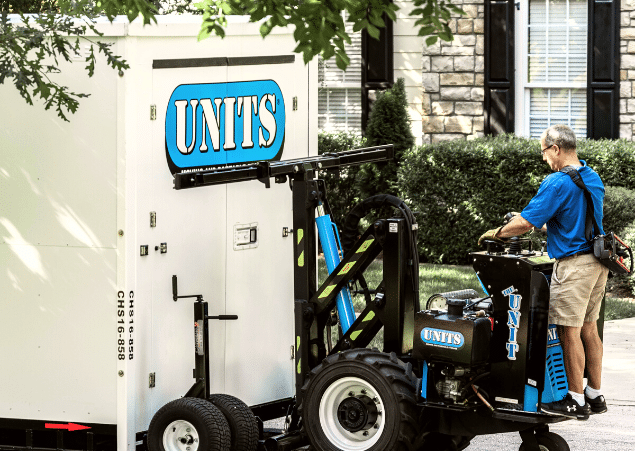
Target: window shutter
[499, 66]
[604, 69]
[377, 65]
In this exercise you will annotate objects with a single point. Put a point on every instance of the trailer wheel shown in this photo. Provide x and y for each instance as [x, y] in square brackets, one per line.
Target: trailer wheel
[548, 441]
[360, 400]
[242, 422]
[189, 424]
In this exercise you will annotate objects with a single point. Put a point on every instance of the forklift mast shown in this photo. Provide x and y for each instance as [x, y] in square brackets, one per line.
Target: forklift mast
[395, 300]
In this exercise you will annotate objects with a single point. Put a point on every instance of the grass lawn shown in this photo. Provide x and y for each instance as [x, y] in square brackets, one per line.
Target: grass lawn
[441, 278]
[432, 279]
[618, 308]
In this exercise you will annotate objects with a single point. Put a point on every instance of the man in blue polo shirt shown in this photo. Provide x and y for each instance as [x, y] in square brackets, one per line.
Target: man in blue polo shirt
[578, 280]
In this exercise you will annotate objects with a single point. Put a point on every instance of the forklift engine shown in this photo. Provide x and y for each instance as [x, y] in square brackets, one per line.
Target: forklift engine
[455, 343]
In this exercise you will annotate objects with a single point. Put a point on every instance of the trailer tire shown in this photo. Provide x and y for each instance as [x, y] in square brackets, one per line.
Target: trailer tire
[360, 400]
[189, 424]
[548, 441]
[242, 422]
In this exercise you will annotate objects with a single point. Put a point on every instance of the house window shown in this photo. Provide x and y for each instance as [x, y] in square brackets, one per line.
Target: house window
[340, 92]
[551, 72]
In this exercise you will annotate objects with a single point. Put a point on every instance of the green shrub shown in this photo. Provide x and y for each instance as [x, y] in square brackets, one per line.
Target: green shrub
[614, 161]
[618, 309]
[388, 124]
[619, 209]
[341, 188]
[463, 188]
[629, 238]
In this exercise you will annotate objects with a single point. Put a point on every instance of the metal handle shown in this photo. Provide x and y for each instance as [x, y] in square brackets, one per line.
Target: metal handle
[223, 317]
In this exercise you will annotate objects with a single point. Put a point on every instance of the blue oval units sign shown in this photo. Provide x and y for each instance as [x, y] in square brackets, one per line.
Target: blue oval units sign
[442, 338]
[224, 123]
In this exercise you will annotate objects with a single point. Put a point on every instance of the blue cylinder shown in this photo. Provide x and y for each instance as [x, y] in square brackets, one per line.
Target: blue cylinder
[344, 303]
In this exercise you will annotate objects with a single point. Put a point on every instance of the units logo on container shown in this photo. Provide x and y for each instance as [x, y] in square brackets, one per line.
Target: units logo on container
[442, 338]
[216, 124]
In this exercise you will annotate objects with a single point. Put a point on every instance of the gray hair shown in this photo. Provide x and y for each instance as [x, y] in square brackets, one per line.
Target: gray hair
[561, 136]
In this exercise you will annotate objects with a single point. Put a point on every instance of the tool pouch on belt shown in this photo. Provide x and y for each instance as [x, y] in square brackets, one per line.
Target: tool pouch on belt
[609, 249]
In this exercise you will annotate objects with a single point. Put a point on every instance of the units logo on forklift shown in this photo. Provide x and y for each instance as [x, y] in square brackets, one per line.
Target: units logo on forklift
[442, 338]
[513, 321]
[217, 124]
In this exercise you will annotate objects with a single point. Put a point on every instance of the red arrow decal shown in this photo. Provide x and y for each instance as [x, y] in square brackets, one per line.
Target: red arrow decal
[69, 426]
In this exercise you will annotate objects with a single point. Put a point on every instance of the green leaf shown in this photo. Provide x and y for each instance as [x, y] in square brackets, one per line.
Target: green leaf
[227, 8]
[265, 29]
[457, 10]
[342, 60]
[307, 56]
[328, 52]
[431, 40]
[377, 21]
[426, 30]
[360, 25]
[45, 90]
[373, 31]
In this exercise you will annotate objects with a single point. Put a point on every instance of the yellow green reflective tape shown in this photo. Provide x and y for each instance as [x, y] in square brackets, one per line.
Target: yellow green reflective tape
[297, 351]
[300, 235]
[365, 245]
[346, 268]
[355, 334]
[326, 291]
[301, 259]
[368, 317]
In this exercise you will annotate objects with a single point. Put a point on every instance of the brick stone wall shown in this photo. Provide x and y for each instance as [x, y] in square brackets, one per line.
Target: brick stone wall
[453, 79]
[627, 69]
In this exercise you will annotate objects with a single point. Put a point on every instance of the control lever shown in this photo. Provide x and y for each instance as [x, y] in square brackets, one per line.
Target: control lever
[175, 292]
[223, 317]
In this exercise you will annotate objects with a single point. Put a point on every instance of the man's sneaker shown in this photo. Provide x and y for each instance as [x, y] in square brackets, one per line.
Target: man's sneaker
[568, 408]
[598, 405]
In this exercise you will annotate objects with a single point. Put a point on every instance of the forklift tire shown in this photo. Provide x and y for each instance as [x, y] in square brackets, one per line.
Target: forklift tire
[189, 424]
[548, 441]
[242, 422]
[360, 400]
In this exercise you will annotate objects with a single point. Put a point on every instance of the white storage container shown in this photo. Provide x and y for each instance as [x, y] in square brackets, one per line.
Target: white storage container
[87, 319]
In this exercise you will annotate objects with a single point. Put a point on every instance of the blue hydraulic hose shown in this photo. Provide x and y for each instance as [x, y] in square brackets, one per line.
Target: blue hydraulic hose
[332, 257]
[482, 286]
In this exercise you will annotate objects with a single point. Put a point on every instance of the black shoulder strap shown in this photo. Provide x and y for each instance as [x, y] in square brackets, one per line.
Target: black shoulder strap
[590, 222]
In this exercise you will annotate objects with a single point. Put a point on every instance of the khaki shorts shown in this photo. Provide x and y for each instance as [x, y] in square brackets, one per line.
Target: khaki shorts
[577, 289]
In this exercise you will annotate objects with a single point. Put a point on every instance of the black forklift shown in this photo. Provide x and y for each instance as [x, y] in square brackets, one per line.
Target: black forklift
[461, 366]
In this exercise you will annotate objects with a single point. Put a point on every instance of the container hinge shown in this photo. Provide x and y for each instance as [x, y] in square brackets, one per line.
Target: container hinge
[152, 380]
[153, 112]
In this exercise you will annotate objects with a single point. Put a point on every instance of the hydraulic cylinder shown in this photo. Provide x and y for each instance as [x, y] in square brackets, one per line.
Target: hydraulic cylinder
[328, 242]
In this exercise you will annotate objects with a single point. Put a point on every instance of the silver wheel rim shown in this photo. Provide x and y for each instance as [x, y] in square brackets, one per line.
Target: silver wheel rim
[180, 435]
[336, 434]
